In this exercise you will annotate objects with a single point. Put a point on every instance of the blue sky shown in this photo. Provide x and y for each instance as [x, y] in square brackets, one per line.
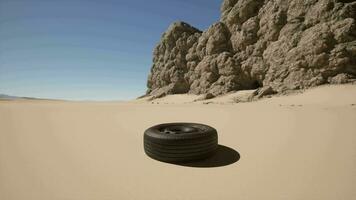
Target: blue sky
[87, 49]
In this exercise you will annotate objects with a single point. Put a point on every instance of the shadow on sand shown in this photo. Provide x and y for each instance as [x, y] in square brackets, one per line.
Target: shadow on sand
[223, 156]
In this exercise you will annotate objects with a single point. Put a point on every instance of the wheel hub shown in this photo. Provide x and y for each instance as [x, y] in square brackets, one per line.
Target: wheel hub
[179, 129]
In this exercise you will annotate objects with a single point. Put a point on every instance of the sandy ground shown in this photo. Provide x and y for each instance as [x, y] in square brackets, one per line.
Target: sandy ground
[295, 147]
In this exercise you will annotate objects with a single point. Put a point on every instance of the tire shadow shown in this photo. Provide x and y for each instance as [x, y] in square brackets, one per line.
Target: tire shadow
[224, 156]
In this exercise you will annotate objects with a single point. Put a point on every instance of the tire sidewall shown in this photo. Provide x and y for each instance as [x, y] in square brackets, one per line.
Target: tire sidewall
[155, 134]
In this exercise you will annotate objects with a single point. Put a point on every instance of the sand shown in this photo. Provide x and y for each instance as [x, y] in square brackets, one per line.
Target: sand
[301, 146]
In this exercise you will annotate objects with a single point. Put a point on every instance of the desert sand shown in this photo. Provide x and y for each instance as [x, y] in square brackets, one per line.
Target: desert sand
[301, 146]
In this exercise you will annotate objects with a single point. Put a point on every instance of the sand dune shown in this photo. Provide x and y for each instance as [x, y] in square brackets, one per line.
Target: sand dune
[300, 146]
[326, 95]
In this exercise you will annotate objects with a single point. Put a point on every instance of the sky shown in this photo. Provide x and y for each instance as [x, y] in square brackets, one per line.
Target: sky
[87, 49]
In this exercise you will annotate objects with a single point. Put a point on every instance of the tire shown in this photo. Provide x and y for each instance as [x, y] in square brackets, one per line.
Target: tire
[180, 142]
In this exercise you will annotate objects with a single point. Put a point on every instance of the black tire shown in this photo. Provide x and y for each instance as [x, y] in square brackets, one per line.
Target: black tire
[180, 142]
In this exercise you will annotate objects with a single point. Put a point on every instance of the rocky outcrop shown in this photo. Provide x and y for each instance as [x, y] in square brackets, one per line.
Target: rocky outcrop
[276, 44]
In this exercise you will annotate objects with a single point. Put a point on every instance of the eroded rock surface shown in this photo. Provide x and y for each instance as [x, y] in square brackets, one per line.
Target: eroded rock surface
[276, 44]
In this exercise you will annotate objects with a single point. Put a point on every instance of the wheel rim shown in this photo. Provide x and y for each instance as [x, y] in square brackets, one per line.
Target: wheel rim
[179, 129]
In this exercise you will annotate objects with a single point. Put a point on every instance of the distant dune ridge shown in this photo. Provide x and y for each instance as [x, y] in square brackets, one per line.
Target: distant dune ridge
[8, 97]
[272, 46]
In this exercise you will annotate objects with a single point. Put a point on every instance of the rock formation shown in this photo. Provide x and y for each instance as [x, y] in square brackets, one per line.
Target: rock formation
[279, 45]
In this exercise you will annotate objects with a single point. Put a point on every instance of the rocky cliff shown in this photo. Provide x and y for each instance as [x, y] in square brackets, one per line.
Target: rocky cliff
[274, 45]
